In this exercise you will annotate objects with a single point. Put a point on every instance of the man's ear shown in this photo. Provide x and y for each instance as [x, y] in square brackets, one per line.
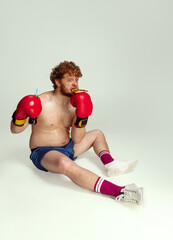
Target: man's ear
[57, 82]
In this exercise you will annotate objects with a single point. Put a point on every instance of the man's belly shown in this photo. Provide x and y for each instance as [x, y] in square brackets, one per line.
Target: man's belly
[57, 137]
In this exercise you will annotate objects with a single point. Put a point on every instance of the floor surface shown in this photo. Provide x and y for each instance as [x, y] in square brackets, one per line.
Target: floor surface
[37, 205]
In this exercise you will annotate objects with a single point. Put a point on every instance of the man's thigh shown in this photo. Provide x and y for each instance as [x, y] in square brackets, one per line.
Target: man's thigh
[55, 161]
[86, 143]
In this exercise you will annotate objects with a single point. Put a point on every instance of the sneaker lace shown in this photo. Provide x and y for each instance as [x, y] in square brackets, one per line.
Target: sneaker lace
[129, 196]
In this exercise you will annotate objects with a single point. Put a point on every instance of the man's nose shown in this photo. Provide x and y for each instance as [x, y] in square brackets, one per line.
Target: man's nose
[74, 83]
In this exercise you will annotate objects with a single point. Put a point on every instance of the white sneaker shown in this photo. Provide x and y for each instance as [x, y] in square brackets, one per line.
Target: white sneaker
[118, 167]
[132, 193]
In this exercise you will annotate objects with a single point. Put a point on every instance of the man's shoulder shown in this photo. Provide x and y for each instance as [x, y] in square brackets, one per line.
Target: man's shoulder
[46, 95]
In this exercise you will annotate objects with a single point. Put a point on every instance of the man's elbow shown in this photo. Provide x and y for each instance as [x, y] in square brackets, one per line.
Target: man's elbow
[76, 140]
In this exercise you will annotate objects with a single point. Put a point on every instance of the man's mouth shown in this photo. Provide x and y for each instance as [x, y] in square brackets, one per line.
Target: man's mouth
[74, 89]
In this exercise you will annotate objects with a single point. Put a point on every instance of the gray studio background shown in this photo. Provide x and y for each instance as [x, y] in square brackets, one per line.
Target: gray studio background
[124, 49]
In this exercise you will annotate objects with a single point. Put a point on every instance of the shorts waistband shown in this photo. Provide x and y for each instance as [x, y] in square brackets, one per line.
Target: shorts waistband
[32, 149]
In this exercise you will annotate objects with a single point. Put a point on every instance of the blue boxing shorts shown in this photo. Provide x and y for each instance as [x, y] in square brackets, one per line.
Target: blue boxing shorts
[38, 153]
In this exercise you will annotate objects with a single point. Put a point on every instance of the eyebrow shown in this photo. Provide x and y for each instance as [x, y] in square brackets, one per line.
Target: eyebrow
[72, 76]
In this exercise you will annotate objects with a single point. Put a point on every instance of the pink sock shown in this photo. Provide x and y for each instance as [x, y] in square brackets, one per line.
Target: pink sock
[108, 188]
[105, 157]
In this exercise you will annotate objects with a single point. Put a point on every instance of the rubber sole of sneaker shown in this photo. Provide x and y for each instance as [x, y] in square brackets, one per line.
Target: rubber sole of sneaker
[143, 197]
[120, 171]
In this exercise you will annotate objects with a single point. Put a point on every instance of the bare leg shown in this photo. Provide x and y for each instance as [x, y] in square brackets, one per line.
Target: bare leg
[57, 162]
[95, 139]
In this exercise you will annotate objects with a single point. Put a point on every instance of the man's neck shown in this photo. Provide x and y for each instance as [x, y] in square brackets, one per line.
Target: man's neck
[59, 98]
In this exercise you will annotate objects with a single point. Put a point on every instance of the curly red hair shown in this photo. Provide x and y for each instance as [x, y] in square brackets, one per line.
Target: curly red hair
[64, 67]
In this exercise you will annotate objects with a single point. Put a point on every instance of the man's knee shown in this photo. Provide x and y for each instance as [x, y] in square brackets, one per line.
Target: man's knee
[56, 163]
[99, 133]
[63, 166]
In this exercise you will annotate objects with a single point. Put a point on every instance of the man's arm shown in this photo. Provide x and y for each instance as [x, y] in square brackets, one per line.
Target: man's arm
[15, 129]
[29, 107]
[83, 104]
[77, 134]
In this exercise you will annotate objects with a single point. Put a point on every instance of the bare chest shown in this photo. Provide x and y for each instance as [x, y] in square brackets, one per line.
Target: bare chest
[54, 116]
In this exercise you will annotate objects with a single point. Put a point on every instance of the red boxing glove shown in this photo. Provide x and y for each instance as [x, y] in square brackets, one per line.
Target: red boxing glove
[83, 104]
[28, 106]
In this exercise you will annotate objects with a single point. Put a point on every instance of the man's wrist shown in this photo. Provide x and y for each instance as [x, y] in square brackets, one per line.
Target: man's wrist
[80, 122]
[18, 122]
